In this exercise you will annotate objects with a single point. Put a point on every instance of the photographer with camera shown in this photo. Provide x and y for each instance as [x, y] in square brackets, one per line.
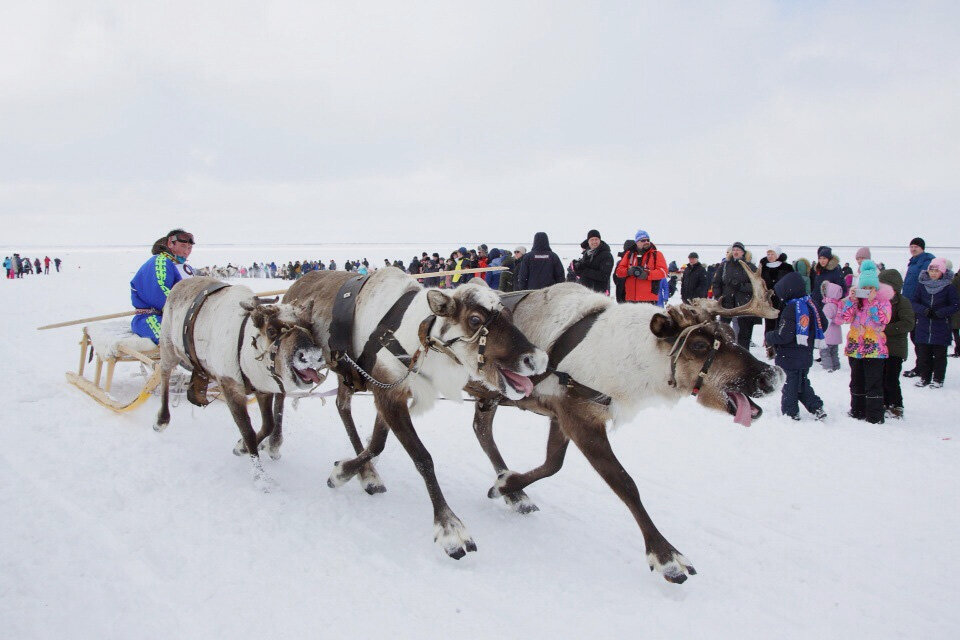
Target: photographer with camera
[594, 267]
[643, 267]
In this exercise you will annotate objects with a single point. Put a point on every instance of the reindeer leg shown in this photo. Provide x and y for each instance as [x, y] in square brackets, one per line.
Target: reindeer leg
[343, 470]
[448, 530]
[167, 365]
[268, 425]
[483, 416]
[369, 477]
[510, 483]
[236, 398]
[275, 439]
[591, 439]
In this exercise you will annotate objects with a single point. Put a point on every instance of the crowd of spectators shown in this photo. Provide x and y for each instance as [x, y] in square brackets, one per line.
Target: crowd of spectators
[17, 266]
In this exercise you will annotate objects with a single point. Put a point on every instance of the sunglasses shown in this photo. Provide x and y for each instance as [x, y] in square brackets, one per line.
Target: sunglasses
[187, 240]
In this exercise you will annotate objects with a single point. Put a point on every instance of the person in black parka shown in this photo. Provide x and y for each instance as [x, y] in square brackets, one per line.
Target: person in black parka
[596, 264]
[540, 267]
[695, 283]
[773, 266]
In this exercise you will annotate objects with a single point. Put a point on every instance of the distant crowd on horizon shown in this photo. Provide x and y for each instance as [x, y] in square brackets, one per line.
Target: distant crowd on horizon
[16, 266]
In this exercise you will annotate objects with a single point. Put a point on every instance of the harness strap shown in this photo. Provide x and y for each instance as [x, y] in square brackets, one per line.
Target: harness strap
[199, 379]
[247, 387]
[341, 331]
[568, 340]
[382, 336]
[512, 299]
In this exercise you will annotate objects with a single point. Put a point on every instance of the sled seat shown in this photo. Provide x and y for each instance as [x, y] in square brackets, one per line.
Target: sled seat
[110, 343]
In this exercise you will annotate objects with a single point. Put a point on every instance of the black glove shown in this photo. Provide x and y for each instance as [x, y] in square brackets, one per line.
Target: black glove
[637, 272]
[577, 265]
[929, 313]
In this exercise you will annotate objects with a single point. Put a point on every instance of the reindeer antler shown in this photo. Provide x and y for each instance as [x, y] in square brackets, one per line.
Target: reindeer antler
[760, 304]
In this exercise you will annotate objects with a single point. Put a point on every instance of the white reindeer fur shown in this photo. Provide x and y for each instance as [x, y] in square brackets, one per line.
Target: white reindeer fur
[438, 373]
[620, 356]
[216, 341]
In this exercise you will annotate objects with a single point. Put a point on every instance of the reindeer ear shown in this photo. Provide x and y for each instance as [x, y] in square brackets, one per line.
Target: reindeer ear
[663, 326]
[247, 305]
[305, 311]
[441, 304]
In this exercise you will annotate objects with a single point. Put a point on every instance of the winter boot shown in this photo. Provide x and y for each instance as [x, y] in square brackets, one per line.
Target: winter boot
[912, 373]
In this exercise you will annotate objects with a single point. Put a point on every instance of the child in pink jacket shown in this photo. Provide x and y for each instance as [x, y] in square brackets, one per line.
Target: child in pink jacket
[830, 357]
[868, 314]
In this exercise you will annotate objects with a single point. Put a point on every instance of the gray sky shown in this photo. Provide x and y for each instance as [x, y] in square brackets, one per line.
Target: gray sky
[785, 122]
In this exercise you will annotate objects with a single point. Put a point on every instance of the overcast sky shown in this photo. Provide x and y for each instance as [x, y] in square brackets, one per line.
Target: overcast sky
[767, 122]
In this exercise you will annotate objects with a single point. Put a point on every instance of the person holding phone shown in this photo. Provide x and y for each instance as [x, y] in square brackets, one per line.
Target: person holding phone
[868, 314]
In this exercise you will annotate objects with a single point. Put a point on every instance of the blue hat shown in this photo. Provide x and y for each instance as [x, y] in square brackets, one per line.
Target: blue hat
[640, 235]
[462, 250]
[868, 275]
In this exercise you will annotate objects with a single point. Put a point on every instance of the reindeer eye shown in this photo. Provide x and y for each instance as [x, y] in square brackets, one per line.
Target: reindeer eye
[699, 347]
[272, 333]
[475, 321]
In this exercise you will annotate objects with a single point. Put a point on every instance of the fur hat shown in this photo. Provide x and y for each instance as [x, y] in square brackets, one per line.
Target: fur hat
[827, 252]
[593, 233]
[863, 252]
[738, 245]
[868, 275]
[775, 248]
[920, 243]
[640, 235]
[693, 254]
[940, 264]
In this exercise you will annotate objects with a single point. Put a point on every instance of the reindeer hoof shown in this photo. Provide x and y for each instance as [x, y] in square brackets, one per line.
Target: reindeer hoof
[499, 487]
[370, 480]
[160, 426]
[673, 565]
[240, 448]
[272, 448]
[337, 477]
[520, 502]
[454, 538]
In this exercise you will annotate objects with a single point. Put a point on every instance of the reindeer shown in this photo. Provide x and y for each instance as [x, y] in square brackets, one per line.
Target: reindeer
[454, 338]
[622, 359]
[243, 345]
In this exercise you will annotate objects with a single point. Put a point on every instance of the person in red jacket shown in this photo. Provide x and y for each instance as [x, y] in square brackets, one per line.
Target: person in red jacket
[643, 267]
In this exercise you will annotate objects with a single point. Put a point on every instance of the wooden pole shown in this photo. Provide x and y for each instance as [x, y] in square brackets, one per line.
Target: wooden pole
[277, 292]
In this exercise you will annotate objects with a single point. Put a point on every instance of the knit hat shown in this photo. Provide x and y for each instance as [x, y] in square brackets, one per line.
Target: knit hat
[940, 264]
[739, 245]
[483, 246]
[693, 254]
[868, 275]
[593, 233]
[641, 235]
[827, 252]
[863, 252]
[520, 248]
[462, 250]
[919, 242]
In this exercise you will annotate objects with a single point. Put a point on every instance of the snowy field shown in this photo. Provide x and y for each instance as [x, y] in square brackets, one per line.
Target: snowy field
[797, 530]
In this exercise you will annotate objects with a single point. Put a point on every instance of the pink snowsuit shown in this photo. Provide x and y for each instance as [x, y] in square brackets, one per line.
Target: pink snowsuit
[831, 304]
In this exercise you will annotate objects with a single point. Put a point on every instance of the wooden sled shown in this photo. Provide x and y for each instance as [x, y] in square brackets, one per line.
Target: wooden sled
[120, 351]
[112, 343]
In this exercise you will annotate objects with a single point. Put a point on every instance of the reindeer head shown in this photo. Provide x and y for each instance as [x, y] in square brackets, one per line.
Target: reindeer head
[286, 349]
[707, 361]
[480, 333]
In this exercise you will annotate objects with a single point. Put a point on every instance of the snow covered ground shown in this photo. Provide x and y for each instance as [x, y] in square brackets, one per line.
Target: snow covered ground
[798, 530]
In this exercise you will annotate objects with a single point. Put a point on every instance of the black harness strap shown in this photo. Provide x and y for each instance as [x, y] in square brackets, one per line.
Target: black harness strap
[247, 387]
[706, 367]
[512, 299]
[199, 379]
[568, 340]
[382, 336]
[341, 331]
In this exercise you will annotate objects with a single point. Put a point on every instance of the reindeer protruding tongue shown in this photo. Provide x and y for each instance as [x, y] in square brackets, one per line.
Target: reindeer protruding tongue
[310, 375]
[744, 413]
[518, 382]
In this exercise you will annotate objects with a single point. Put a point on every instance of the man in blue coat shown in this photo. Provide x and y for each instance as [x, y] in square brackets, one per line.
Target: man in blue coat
[918, 263]
[152, 283]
